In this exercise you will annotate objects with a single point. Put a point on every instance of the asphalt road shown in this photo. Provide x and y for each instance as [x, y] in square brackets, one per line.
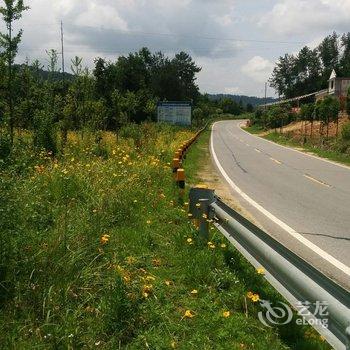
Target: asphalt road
[302, 201]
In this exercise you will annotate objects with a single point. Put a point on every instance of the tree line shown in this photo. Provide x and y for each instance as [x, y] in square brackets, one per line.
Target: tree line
[208, 106]
[46, 101]
[49, 103]
[309, 70]
[324, 111]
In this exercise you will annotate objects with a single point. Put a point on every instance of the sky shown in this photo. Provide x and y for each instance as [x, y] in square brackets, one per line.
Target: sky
[235, 42]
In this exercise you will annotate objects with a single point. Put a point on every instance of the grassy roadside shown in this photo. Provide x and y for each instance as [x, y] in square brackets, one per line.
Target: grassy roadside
[287, 140]
[97, 252]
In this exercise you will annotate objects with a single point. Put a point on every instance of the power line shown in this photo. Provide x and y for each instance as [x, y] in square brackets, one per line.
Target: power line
[127, 49]
[129, 32]
[143, 33]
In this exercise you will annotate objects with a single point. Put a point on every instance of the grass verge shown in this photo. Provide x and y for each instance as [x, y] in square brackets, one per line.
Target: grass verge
[97, 252]
[331, 150]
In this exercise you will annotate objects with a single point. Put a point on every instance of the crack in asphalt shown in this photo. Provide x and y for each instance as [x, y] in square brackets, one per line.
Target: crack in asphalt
[325, 235]
[233, 155]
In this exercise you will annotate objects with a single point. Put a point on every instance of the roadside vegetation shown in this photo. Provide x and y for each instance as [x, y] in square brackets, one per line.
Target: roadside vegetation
[322, 127]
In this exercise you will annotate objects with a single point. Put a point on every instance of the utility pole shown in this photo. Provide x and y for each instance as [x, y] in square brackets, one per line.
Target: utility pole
[10, 85]
[62, 48]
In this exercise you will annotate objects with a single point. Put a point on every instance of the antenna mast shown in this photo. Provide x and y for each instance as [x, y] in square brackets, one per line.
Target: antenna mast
[62, 51]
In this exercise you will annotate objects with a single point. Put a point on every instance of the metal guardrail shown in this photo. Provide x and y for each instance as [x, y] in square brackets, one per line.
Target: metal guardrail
[298, 98]
[296, 280]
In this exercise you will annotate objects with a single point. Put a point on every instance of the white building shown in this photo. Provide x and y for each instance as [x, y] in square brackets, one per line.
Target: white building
[337, 87]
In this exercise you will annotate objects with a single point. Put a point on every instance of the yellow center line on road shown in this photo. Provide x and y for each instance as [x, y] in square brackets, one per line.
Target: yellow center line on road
[316, 180]
[276, 161]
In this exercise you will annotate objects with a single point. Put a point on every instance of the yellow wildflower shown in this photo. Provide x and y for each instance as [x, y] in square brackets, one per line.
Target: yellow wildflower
[194, 292]
[39, 168]
[148, 222]
[223, 245]
[188, 314]
[168, 283]
[190, 241]
[250, 295]
[130, 260]
[150, 278]
[226, 314]
[104, 239]
[146, 290]
[260, 271]
[156, 262]
[211, 245]
[255, 298]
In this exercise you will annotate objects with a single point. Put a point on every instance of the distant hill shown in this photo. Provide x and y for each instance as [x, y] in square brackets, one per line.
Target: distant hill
[253, 100]
[45, 75]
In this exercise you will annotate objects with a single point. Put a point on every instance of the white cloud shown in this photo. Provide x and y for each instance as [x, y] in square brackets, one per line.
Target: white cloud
[295, 17]
[100, 16]
[258, 68]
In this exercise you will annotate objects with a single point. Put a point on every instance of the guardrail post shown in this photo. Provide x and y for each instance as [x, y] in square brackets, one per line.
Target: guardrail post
[199, 208]
[203, 220]
[176, 165]
[180, 178]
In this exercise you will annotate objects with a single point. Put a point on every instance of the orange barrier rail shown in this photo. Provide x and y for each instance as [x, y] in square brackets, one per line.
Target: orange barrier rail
[179, 156]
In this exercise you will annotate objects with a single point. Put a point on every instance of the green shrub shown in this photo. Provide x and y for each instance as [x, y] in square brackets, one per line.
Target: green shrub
[132, 131]
[328, 109]
[45, 132]
[307, 111]
[345, 134]
[197, 114]
[5, 147]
